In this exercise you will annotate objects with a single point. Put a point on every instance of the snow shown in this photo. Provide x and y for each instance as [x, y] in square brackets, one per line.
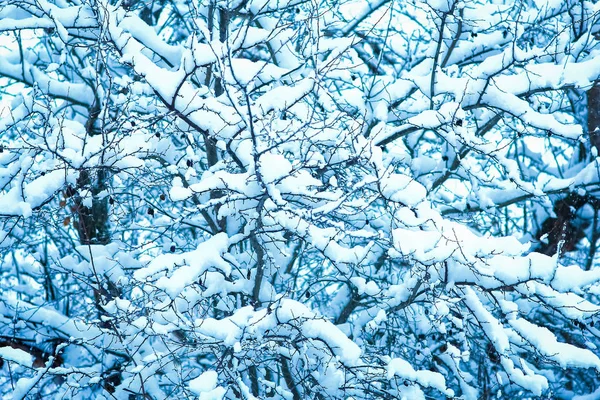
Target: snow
[362, 214]
[146, 35]
[190, 265]
[22, 201]
[283, 97]
[205, 386]
[362, 286]
[347, 351]
[402, 189]
[16, 355]
[574, 279]
[492, 328]
[79, 93]
[264, 6]
[244, 71]
[274, 167]
[545, 342]
[403, 369]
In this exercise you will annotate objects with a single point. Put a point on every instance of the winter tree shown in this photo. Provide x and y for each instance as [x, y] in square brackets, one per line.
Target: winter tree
[288, 199]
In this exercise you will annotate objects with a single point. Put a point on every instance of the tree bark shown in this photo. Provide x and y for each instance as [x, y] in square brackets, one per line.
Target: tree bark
[562, 228]
[92, 222]
[593, 116]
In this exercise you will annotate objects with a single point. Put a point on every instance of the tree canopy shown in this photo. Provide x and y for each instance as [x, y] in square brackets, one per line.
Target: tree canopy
[251, 199]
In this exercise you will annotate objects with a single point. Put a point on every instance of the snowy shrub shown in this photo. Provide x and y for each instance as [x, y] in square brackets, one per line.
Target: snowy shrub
[285, 199]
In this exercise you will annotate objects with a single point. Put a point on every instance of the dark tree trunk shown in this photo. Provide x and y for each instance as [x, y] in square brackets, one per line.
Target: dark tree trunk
[593, 116]
[561, 233]
[92, 222]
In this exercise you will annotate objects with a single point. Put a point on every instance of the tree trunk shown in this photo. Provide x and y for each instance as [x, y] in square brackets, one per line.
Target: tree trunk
[561, 233]
[92, 222]
[593, 116]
